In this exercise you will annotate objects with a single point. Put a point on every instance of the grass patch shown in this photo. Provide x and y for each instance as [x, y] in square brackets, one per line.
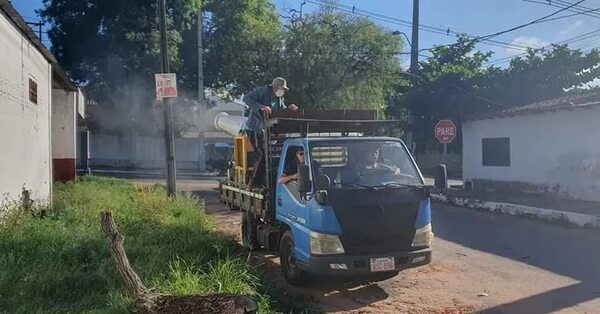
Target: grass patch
[60, 263]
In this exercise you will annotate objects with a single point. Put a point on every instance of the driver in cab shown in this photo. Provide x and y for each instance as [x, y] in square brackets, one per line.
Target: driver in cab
[290, 171]
[372, 160]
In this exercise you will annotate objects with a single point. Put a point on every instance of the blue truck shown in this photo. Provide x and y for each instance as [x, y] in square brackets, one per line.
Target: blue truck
[358, 205]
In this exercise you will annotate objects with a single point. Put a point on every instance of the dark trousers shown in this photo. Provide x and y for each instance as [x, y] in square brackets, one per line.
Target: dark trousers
[257, 178]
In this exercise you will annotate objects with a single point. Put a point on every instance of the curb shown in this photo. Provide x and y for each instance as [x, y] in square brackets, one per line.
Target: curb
[551, 215]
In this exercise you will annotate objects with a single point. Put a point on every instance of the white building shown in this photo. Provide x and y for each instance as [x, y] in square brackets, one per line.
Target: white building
[550, 147]
[30, 80]
[68, 110]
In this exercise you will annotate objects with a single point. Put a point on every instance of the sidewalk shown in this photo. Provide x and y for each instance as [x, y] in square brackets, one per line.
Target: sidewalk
[571, 212]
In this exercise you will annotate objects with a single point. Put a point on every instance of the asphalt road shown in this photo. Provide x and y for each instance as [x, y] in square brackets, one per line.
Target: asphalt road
[483, 262]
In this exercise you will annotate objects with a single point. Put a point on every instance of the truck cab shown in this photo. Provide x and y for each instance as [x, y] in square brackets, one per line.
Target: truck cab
[357, 205]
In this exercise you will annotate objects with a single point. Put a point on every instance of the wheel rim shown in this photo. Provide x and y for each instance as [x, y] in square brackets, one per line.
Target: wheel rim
[290, 260]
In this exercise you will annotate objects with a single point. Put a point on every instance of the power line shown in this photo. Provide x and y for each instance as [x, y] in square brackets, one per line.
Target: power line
[579, 10]
[530, 23]
[580, 37]
[569, 15]
[423, 27]
[536, 21]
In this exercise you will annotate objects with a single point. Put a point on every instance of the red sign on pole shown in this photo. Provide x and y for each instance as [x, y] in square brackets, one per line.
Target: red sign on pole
[166, 85]
[445, 131]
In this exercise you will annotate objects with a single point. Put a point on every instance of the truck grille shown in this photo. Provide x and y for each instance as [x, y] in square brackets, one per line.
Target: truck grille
[377, 224]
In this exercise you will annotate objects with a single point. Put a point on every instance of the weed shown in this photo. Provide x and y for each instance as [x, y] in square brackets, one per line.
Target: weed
[59, 263]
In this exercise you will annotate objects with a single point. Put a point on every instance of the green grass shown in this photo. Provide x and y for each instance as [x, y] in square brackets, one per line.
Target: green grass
[60, 263]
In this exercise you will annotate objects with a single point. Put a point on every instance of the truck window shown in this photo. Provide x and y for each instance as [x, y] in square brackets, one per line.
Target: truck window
[290, 167]
[364, 163]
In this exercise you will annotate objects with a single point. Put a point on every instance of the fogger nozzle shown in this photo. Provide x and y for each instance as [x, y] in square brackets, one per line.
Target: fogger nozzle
[229, 124]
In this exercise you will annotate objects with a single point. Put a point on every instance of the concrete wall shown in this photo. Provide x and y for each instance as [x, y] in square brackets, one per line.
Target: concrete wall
[554, 153]
[64, 124]
[25, 150]
[142, 153]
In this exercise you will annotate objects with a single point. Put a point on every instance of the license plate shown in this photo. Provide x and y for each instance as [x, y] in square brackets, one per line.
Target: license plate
[383, 264]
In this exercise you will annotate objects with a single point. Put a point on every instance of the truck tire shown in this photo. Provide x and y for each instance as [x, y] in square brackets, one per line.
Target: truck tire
[249, 232]
[287, 259]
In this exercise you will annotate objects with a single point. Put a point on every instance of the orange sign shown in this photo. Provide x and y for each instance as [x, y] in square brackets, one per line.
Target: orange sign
[166, 85]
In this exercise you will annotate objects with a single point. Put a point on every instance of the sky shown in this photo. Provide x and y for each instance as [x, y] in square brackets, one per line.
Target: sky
[474, 17]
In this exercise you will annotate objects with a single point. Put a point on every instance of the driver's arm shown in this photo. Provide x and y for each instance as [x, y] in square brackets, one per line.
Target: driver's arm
[287, 178]
[289, 173]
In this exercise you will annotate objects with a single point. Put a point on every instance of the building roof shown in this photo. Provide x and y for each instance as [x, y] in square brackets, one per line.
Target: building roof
[567, 102]
[57, 72]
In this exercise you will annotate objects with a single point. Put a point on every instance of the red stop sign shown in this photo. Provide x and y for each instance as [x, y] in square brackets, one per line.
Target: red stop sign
[445, 131]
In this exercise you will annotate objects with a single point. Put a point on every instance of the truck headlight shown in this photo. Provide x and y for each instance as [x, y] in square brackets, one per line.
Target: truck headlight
[321, 243]
[423, 236]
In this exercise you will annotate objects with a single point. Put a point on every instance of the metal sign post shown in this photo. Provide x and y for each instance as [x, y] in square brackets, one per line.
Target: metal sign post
[445, 132]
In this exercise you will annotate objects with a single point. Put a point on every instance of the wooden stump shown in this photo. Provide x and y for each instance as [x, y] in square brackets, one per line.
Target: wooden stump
[148, 302]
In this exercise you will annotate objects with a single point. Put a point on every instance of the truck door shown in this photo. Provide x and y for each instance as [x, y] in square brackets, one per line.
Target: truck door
[291, 207]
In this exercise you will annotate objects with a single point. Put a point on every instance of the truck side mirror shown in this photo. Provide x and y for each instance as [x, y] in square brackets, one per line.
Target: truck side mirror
[303, 179]
[322, 182]
[441, 177]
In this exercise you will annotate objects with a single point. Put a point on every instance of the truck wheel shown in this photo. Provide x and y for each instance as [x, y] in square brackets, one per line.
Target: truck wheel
[289, 266]
[249, 232]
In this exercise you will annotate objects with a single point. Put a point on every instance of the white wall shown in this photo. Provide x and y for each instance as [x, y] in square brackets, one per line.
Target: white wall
[64, 124]
[560, 148]
[142, 152]
[24, 126]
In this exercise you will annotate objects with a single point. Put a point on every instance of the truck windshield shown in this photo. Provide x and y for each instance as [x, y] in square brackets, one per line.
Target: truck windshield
[364, 163]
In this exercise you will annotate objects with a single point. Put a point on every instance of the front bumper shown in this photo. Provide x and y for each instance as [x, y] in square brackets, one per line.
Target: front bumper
[359, 265]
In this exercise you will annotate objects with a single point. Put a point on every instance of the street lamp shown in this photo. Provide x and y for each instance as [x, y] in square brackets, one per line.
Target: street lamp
[396, 33]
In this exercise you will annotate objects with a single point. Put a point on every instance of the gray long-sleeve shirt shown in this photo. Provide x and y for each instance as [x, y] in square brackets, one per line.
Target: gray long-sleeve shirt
[256, 99]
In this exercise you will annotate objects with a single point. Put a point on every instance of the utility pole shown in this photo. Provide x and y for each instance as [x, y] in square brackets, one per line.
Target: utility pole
[414, 48]
[39, 25]
[168, 110]
[414, 63]
[201, 96]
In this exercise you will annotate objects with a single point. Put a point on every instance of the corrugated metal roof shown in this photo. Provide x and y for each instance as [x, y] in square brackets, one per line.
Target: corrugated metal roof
[567, 102]
[15, 17]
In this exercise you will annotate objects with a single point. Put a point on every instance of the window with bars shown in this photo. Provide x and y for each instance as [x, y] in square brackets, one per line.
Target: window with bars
[33, 91]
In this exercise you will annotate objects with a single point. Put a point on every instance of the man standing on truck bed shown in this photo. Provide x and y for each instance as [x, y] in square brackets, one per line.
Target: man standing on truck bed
[261, 102]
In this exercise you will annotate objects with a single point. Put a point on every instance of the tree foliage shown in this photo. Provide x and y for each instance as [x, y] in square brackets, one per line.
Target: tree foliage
[331, 60]
[335, 60]
[454, 83]
[112, 47]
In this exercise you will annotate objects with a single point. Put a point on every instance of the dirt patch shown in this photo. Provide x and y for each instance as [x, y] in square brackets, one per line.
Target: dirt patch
[402, 294]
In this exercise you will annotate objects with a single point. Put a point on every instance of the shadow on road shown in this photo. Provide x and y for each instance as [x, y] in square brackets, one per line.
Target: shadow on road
[565, 251]
[333, 294]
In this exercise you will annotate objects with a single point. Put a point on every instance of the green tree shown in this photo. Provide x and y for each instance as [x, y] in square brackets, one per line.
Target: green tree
[454, 84]
[240, 39]
[112, 47]
[545, 74]
[336, 60]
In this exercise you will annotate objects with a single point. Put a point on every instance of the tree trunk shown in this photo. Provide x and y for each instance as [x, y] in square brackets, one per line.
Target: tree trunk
[168, 304]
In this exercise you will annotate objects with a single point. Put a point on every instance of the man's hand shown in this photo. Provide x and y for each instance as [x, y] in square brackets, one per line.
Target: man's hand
[293, 107]
[266, 109]
[285, 179]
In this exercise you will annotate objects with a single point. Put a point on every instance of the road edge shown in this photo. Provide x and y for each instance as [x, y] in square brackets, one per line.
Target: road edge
[544, 214]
